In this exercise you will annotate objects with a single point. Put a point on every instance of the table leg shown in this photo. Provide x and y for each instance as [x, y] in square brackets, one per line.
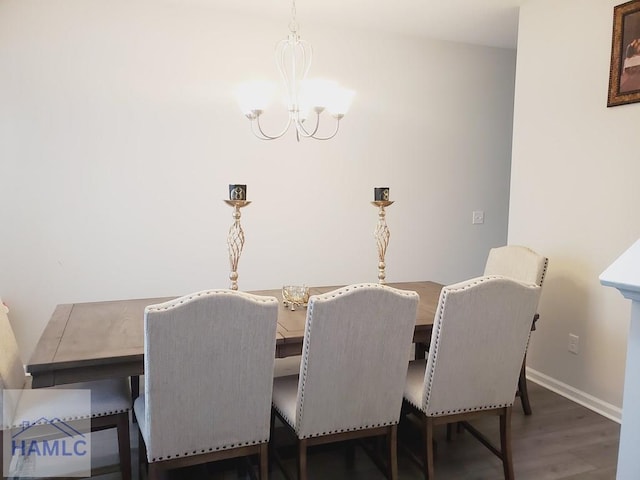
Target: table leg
[421, 350]
[135, 392]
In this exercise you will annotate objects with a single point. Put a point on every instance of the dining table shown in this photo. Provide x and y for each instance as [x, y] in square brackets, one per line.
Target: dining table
[97, 340]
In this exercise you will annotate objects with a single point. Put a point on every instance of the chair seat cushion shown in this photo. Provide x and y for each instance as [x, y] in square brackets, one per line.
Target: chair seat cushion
[414, 387]
[108, 397]
[287, 366]
[139, 407]
[285, 392]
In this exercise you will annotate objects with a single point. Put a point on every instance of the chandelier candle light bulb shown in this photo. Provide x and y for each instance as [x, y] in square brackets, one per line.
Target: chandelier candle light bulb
[293, 59]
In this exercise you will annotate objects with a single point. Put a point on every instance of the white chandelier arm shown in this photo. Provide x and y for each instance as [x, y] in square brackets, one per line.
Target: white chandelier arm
[329, 137]
[281, 51]
[302, 132]
[260, 133]
[293, 59]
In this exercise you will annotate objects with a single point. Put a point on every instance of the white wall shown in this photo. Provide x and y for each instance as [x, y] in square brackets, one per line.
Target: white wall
[119, 134]
[574, 191]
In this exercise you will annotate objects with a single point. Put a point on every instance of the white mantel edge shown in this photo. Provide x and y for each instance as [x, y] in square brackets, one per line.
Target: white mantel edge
[624, 273]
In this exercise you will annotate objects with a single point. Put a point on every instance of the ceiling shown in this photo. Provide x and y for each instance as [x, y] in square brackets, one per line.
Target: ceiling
[483, 22]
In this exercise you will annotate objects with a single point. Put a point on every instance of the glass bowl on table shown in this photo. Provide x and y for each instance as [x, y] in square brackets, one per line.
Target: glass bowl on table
[294, 296]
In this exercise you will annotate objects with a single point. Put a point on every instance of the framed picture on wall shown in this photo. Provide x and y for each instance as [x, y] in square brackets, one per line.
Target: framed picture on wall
[624, 72]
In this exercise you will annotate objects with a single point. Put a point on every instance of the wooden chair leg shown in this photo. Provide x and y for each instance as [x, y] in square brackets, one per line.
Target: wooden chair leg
[350, 453]
[272, 453]
[302, 459]
[264, 461]
[142, 456]
[522, 388]
[428, 445]
[155, 473]
[2, 454]
[134, 382]
[505, 443]
[392, 445]
[124, 445]
[459, 429]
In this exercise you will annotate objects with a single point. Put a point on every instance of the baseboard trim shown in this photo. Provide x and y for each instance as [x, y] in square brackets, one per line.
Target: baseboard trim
[582, 398]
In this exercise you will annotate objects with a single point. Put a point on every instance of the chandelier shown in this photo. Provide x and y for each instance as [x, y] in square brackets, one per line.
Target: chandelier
[303, 97]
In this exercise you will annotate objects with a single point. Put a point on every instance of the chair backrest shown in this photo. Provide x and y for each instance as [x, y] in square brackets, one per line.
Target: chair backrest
[480, 334]
[517, 262]
[208, 371]
[355, 354]
[12, 376]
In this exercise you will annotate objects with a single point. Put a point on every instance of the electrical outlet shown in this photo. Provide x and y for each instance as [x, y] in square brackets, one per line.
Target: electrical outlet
[574, 342]
[478, 217]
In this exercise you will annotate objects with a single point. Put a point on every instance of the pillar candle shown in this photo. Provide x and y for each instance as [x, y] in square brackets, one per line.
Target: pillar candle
[237, 192]
[381, 194]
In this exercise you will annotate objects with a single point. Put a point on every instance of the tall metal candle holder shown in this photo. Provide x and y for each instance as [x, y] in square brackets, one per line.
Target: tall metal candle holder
[382, 235]
[235, 240]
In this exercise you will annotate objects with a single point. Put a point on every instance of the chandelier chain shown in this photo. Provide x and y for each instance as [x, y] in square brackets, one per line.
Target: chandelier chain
[293, 24]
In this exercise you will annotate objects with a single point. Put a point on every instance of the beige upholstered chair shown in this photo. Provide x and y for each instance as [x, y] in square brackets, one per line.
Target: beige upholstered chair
[517, 262]
[525, 265]
[208, 362]
[480, 335]
[110, 400]
[355, 353]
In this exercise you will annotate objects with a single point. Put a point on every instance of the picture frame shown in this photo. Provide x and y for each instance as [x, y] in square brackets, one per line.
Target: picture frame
[624, 71]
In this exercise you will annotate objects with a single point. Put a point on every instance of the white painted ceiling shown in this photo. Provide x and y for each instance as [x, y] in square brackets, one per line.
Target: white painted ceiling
[483, 22]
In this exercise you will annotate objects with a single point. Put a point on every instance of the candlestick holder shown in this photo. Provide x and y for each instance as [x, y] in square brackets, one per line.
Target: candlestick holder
[235, 240]
[382, 234]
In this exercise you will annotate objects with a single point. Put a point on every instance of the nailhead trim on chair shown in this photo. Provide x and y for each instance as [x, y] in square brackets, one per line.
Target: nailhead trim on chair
[544, 271]
[171, 304]
[342, 430]
[290, 421]
[113, 412]
[77, 417]
[305, 361]
[207, 450]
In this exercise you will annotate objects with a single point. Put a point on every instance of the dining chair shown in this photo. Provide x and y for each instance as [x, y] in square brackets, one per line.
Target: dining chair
[522, 264]
[480, 333]
[110, 400]
[208, 363]
[355, 353]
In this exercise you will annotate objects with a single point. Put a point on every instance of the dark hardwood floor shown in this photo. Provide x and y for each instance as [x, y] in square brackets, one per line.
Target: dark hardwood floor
[560, 441]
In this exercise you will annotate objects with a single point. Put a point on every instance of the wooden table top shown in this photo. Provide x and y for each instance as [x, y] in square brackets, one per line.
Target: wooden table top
[90, 341]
